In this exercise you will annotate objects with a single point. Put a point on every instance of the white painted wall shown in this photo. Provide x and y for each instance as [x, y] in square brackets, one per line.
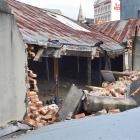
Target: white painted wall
[112, 12]
[115, 14]
[12, 71]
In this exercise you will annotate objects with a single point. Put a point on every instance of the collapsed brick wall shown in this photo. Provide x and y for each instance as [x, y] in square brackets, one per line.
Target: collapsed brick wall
[37, 114]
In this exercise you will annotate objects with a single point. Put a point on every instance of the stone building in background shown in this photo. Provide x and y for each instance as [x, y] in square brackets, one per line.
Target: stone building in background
[106, 10]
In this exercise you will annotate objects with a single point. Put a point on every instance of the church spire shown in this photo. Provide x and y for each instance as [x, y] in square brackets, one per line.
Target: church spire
[81, 17]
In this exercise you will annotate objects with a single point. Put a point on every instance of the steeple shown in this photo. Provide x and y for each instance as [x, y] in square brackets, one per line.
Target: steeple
[81, 17]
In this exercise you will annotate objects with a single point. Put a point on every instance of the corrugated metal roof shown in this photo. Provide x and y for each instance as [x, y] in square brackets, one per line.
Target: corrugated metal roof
[37, 25]
[120, 30]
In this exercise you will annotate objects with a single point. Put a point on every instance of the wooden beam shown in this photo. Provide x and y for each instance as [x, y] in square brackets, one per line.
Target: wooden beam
[39, 54]
[89, 70]
[91, 88]
[134, 47]
[126, 63]
[118, 73]
[56, 68]
[99, 73]
[47, 69]
[97, 103]
[129, 46]
[56, 75]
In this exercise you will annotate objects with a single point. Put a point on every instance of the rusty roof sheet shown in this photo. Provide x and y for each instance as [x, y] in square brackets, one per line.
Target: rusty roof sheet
[119, 30]
[38, 25]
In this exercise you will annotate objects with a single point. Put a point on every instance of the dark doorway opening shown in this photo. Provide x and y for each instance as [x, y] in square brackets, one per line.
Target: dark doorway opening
[117, 63]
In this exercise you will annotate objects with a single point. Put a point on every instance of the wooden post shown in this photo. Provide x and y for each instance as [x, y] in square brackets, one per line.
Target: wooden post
[129, 45]
[126, 61]
[78, 66]
[89, 70]
[134, 47]
[56, 75]
[47, 69]
[130, 59]
[100, 67]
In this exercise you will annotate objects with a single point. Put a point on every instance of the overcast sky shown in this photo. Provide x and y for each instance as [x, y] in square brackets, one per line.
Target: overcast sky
[69, 8]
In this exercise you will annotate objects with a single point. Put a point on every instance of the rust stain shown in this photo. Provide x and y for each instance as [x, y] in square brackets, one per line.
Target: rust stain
[36, 25]
[120, 30]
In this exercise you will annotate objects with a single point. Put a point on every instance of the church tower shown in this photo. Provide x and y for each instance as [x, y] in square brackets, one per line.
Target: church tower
[81, 17]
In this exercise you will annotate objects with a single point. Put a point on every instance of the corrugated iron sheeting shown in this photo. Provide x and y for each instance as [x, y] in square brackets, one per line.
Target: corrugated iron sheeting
[36, 26]
[120, 30]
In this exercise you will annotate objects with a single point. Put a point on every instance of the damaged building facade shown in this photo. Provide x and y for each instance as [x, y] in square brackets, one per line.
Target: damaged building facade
[64, 51]
[126, 33]
[61, 52]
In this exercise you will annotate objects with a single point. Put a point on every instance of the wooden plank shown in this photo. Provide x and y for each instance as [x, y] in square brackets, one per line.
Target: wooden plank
[89, 70]
[93, 88]
[47, 69]
[118, 73]
[56, 75]
[39, 54]
[126, 63]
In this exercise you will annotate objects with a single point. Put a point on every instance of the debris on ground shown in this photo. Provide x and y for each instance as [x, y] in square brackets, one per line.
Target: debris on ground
[115, 89]
[93, 104]
[112, 96]
[13, 128]
[37, 114]
[79, 116]
[121, 126]
[71, 104]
